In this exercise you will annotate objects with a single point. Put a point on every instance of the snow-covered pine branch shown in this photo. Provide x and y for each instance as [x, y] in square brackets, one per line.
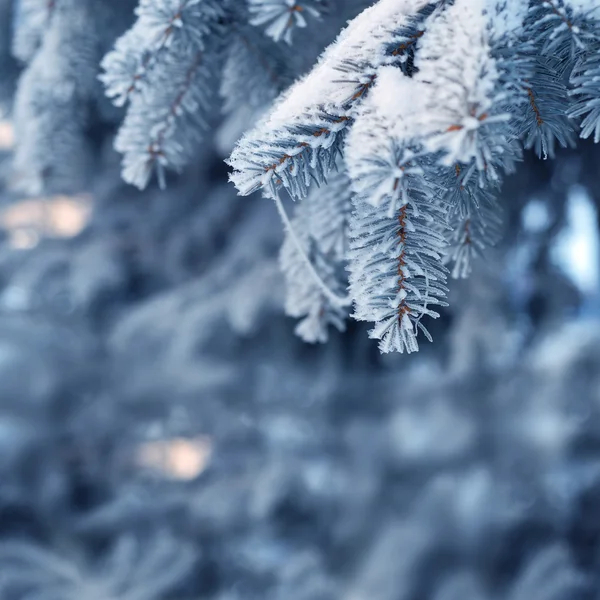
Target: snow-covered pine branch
[396, 273]
[474, 221]
[546, 120]
[460, 112]
[567, 33]
[466, 113]
[302, 136]
[585, 77]
[162, 67]
[397, 251]
[167, 67]
[281, 17]
[563, 28]
[430, 104]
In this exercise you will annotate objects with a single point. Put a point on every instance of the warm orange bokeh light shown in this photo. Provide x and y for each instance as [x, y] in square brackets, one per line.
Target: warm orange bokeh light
[29, 220]
[179, 458]
[7, 135]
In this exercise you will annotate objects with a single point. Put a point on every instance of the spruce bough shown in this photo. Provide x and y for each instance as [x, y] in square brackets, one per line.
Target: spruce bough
[398, 137]
[426, 106]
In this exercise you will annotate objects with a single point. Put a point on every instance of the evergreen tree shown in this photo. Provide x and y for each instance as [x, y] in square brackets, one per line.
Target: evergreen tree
[164, 435]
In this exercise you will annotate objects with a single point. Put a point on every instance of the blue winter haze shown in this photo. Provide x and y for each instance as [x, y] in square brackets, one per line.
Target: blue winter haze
[299, 300]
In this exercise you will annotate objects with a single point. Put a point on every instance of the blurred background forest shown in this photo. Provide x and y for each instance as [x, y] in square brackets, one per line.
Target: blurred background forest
[164, 435]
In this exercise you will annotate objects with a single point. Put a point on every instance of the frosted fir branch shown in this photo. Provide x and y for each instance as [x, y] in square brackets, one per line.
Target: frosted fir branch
[507, 21]
[461, 111]
[437, 122]
[321, 224]
[396, 275]
[585, 80]
[544, 121]
[457, 106]
[300, 139]
[31, 22]
[474, 220]
[282, 17]
[162, 127]
[162, 67]
[535, 93]
[379, 153]
[473, 215]
[306, 153]
[164, 29]
[563, 28]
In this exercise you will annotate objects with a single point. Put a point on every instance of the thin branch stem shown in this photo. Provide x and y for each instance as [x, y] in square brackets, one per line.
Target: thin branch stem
[327, 292]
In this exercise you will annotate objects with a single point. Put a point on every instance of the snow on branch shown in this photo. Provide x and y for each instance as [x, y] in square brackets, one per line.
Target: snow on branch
[461, 112]
[283, 16]
[301, 137]
[423, 105]
[161, 66]
[435, 103]
[563, 28]
[164, 30]
[585, 77]
[379, 154]
[396, 275]
[396, 245]
[545, 119]
[474, 221]
[586, 81]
